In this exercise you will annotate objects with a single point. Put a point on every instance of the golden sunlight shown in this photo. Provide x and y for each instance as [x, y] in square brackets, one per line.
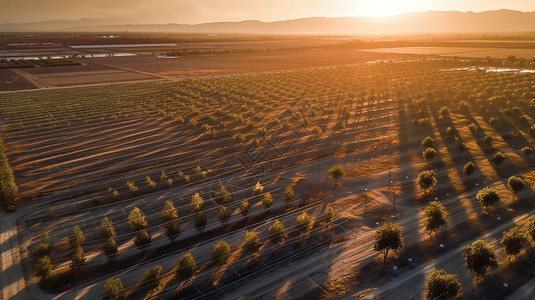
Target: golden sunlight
[385, 8]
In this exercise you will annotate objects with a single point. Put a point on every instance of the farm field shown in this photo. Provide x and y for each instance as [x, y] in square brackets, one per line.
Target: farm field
[179, 166]
[499, 53]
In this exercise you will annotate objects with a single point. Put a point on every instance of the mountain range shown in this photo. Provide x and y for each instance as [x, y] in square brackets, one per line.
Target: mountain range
[419, 22]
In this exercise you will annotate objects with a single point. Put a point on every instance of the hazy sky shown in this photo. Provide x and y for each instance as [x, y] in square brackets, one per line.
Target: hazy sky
[199, 11]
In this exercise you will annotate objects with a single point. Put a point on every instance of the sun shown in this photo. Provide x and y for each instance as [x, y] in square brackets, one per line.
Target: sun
[385, 8]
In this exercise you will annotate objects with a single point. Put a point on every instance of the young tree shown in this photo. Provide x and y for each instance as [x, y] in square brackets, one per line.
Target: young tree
[479, 257]
[113, 289]
[531, 227]
[258, 189]
[267, 200]
[251, 241]
[221, 252]
[442, 286]
[76, 238]
[78, 259]
[513, 240]
[488, 139]
[244, 207]
[469, 168]
[388, 237]
[516, 184]
[428, 142]
[304, 222]
[435, 216]
[196, 203]
[142, 240]
[169, 212]
[288, 194]
[152, 277]
[200, 221]
[429, 153]
[110, 248]
[328, 216]
[43, 268]
[186, 266]
[223, 196]
[277, 232]
[224, 214]
[427, 180]
[487, 196]
[528, 150]
[43, 248]
[136, 220]
[106, 229]
[336, 172]
[498, 158]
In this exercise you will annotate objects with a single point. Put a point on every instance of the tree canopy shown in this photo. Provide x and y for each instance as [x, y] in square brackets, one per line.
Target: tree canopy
[442, 286]
[388, 237]
[480, 257]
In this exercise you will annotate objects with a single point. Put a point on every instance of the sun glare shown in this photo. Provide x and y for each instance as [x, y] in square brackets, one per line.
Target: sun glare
[385, 8]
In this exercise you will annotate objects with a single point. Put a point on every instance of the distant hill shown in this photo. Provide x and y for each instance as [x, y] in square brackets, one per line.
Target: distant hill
[421, 22]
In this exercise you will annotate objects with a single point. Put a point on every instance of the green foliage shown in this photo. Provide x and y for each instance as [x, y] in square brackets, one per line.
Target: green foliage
[277, 232]
[106, 229]
[221, 252]
[435, 216]
[267, 200]
[251, 241]
[136, 219]
[224, 214]
[132, 187]
[110, 248]
[152, 277]
[429, 153]
[258, 189]
[304, 222]
[163, 176]
[8, 188]
[515, 184]
[336, 172]
[196, 203]
[223, 196]
[531, 227]
[498, 158]
[328, 215]
[78, 259]
[442, 286]
[487, 197]
[488, 139]
[288, 193]
[200, 220]
[76, 238]
[142, 240]
[513, 240]
[428, 142]
[427, 180]
[238, 138]
[172, 230]
[388, 237]
[244, 207]
[469, 168]
[43, 268]
[186, 266]
[479, 257]
[444, 113]
[43, 248]
[113, 289]
[169, 212]
[150, 182]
